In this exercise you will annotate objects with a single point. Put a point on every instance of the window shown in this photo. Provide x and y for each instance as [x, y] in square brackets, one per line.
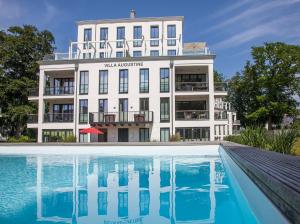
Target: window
[103, 81]
[164, 109]
[83, 137]
[144, 80]
[123, 81]
[101, 55]
[144, 135]
[171, 34]
[87, 55]
[123, 110]
[119, 54]
[83, 111]
[154, 53]
[56, 135]
[199, 134]
[164, 134]
[171, 52]
[144, 202]
[120, 36]
[87, 37]
[102, 105]
[144, 104]
[137, 54]
[103, 36]
[154, 34]
[164, 80]
[137, 36]
[84, 82]
[102, 203]
[122, 204]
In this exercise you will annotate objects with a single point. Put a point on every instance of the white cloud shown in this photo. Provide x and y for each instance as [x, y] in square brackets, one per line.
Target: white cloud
[255, 13]
[283, 27]
[231, 8]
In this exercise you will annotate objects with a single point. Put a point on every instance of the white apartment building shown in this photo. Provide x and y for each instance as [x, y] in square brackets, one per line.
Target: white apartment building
[135, 80]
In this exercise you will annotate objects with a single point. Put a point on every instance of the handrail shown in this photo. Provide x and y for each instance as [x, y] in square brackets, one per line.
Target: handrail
[191, 115]
[32, 118]
[54, 91]
[191, 86]
[58, 117]
[121, 117]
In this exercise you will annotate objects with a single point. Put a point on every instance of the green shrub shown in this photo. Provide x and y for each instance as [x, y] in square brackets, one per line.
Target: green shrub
[256, 137]
[70, 138]
[12, 139]
[233, 138]
[175, 138]
[22, 138]
[283, 141]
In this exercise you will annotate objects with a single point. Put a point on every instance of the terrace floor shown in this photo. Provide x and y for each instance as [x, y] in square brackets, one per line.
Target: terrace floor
[277, 175]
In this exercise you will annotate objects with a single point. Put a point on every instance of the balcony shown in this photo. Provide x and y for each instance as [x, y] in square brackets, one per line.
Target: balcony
[128, 117]
[58, 118]
[191, 115]
[191, 86]
[59, 91]
[32, 119]
[221, 115]
[221, 86]
[33, 92]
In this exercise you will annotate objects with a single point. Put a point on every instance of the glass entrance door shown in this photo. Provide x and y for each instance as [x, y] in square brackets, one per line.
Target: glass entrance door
[123, 110]
[123, 135]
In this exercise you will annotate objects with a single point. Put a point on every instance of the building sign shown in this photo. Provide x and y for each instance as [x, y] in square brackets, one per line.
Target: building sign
[123, 64]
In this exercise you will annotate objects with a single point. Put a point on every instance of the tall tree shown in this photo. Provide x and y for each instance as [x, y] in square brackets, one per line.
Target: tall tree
[264, 92]
[20, 50]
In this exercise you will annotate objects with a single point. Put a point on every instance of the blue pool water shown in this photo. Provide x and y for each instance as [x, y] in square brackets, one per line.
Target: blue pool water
[119, 190]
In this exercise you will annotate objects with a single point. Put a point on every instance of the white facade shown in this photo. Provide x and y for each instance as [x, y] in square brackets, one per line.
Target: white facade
[167, 89]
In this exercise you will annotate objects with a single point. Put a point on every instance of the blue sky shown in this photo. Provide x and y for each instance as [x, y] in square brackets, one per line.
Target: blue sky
[229, 27]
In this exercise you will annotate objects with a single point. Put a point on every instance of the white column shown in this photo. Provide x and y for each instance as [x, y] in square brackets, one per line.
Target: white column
[41, 108]
[211, 100]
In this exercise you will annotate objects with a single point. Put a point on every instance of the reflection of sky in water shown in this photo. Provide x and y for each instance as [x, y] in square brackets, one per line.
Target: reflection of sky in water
[117, 190]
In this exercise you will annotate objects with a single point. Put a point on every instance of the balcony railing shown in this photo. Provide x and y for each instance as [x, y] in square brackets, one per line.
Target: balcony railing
[221, 115]
[121, 117]
[192, 86]
[33, 92]
[32, 118]
[221, 86]
[192, 115]
[56, 91]
[58, 117]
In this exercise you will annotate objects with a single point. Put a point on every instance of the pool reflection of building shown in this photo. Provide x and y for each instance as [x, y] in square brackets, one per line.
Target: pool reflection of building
[143, 190]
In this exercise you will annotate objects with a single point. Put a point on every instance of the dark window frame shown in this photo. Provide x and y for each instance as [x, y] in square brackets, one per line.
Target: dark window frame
[145, 90]
[163, 84]
[105, 84]
[165, 109]
[123, 86]
[85, 90]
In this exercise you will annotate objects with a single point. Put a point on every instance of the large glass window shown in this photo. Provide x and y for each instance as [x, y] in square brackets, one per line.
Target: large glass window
[154, 53]
[171, 52]
[171, 34]
[123, 81]
[144, 135]
[188, 134]
[83, 137]
[84, 82]
[137, 36]
[103, 105]
[102, 203]
[103, 81]
[120, 36]
[83, 111]
[119, 54]
[154, 35]
[144, 80]
[164, 109]
[56, 135]
[123, 204]
[164, 134]
[164, 80]
[137, 54]
[123, 110]
[103, 36]
[144, 104]
[87, 36]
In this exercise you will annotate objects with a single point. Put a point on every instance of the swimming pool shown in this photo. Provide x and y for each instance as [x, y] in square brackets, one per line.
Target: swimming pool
[120, 185]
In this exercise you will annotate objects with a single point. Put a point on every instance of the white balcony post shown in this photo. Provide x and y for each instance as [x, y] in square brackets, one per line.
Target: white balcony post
[41, 104]
[211, 99]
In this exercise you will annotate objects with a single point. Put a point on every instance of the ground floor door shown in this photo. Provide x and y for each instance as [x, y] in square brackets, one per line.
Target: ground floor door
[123, 135]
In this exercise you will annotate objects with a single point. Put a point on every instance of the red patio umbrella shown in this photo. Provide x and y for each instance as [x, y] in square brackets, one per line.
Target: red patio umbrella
[91, 131]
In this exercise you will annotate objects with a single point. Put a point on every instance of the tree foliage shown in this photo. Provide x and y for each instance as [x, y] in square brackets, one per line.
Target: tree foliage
[264, 92]
[20, 50]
